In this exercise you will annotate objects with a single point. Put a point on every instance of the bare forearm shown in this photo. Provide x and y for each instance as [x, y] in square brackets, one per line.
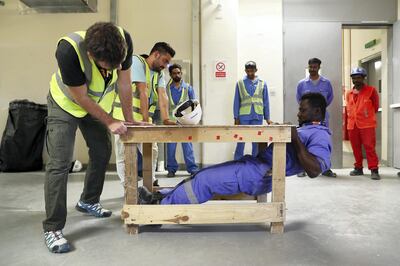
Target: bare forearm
[125, 95]
[144, 105]
[164, 104]
[306, 159]
[164, 109]
[94, 109]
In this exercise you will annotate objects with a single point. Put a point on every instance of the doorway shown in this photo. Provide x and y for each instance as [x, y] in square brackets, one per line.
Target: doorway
[368, 48]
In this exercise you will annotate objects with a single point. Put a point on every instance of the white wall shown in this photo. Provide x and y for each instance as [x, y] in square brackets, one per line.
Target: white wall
[237, 31]
[28, 44]
[154, 21]
[27, 47]
[219, 42]
[260, 39]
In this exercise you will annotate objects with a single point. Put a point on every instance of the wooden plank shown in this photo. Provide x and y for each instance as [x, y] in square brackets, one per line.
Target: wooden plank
[131, 185]
[204, 213]
[262, 198]
[148, 166]
[147, 134]
[278, 182]
[240, 196]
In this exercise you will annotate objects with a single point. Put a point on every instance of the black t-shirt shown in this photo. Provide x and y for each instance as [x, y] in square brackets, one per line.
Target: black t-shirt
[70, 68]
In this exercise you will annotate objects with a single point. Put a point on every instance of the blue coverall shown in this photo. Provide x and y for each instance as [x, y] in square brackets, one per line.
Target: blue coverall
[253, 118]
[249, 174]
[323, 87]
[187, 148]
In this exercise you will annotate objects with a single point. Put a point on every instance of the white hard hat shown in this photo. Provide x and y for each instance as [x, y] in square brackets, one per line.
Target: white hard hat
[188, 112]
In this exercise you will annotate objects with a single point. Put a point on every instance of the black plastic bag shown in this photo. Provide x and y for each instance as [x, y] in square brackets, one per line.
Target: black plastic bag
[23, 138]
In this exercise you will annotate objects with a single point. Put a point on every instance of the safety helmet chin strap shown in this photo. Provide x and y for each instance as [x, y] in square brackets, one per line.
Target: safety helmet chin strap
[183, 107]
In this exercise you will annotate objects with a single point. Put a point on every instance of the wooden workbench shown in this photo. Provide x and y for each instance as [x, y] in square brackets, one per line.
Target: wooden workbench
[257, 212]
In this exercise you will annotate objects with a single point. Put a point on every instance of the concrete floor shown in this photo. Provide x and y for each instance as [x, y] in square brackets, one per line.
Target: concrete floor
[342, 221]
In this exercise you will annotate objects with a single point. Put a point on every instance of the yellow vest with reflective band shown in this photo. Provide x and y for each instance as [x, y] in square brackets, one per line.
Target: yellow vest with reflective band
[184, 97]
[246, 101]
[152, 84]
[96, 88]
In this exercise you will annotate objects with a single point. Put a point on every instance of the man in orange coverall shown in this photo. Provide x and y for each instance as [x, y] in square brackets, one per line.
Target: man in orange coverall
[362, 104]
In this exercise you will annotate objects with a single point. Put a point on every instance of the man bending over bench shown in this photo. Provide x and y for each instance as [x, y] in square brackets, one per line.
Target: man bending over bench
[309, 151]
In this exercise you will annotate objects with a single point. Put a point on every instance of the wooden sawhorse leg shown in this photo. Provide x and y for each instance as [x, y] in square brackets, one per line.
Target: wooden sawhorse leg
[278, 182]
[148, 166]
[131, 182]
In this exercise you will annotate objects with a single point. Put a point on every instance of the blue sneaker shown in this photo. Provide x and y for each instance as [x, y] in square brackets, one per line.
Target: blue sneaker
[56, 242]
[93, 209]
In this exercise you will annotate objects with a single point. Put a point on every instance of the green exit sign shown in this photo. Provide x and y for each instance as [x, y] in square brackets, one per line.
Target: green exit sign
[371, 43]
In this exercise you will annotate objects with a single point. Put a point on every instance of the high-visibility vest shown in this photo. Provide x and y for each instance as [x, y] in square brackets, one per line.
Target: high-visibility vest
[246, 101]
[184, 97]
[152, 84]
[361, 112]
[96, 88]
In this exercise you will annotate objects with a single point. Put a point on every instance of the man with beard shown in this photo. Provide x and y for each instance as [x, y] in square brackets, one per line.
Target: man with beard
[309, 150]
[319, 84]
[90, 65]
[362, 104]
[148, 86]
[178, 92]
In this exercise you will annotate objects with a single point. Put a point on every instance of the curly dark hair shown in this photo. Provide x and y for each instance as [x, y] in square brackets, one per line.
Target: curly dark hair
[316, 100]
[104, 42]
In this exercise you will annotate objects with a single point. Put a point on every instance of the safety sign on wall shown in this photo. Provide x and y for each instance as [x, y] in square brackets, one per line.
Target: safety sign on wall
[220, 69]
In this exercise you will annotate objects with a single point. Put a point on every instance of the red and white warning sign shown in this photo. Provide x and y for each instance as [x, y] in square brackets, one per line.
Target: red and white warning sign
[220, 69]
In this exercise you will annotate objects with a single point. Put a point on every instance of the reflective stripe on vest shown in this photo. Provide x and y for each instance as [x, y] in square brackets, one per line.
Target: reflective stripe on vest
[95, 83]
[152, 84]
[246, 101]
[184, 97]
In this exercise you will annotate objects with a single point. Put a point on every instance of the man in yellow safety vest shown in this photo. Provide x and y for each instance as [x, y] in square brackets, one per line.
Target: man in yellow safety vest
[148, 89]
[251, 104]
[91, 63]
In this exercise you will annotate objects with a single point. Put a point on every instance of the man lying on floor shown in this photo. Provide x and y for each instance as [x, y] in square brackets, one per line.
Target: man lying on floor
[309, 150]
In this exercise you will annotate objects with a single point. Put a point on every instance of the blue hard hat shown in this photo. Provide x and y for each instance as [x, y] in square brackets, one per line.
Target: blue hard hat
[358, 71]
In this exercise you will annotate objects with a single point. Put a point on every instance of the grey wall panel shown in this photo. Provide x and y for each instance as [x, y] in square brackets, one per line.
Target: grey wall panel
[345, 11]
[303, 40]
[396, 95]
[396, 138]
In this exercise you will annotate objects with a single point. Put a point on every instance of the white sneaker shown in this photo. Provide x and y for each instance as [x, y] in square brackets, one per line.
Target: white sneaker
[56, 242]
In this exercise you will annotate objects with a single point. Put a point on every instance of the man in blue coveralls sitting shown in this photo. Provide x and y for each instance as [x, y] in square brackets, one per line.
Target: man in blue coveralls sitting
[309, 151]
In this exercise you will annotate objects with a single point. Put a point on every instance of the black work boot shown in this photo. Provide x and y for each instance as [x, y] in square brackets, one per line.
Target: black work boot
[145, 196]
[398, 174]
[375, 174]
[302, 174]
[329, 173]
[171, 174]
[357, 171]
